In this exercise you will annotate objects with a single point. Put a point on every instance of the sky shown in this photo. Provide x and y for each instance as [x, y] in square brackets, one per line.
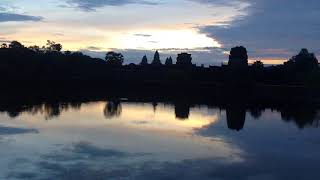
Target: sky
[271, 30]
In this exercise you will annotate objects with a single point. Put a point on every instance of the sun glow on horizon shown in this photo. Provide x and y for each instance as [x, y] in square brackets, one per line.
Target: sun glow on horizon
[269, 61]
[162, 39]
[148, 40]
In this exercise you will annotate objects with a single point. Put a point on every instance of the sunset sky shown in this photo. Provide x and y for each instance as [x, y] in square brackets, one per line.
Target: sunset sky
[272, 30]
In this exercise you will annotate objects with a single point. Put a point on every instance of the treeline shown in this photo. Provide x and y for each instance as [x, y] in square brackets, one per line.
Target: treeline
[48, 64]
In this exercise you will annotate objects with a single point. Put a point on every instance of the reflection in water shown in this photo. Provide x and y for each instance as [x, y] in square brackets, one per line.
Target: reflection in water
[49, 109]
[182, 110]
[112, 109]
[154, 105]
[16, 130]
[302, 116]
[146, 144]
[80, 144]
[236, 117]
[256, 112]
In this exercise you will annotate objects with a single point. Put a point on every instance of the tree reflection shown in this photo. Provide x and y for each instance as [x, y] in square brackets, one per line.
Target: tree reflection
[112, 109]
[54, 110]
[154, 106]
[302, 116]
[50, 110]
[256, 112]
[13, 114]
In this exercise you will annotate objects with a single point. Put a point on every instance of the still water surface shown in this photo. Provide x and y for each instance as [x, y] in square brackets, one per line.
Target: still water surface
[132, 140]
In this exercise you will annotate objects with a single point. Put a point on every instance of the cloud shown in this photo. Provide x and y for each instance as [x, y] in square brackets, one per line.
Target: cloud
[4, 40]
[153, 42]
[6, 17]
[143, 35]
[221, 2]
[92, 5]
[82, 160]
[14, 130]
[85, 150]
[94, 48]
[271, 24]
[58, 34]
[255, 166]
[92, 151]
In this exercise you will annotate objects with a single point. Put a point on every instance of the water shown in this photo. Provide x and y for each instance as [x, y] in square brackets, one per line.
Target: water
[145, 140]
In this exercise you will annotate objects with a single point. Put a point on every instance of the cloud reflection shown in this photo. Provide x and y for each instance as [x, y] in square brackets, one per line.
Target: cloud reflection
[15, 130]
[87, 161]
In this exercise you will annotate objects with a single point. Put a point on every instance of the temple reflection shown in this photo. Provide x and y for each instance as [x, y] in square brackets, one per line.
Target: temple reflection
[182, 110]
[236, 117]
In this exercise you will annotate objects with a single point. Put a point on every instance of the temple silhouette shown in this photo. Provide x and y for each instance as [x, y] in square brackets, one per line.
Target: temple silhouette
[47, 68]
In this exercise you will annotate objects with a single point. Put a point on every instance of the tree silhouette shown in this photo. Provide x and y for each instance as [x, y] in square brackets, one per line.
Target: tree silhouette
[16, 45]
[34, 48]
[114, 59]
[168, 61]
[304, 61]
[4, 46]
[156, 59]
[144, 61]
[258, 65]
[53, 46]
[67, 53]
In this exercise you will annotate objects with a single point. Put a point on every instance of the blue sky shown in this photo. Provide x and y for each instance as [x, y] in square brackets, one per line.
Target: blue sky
[272, 30]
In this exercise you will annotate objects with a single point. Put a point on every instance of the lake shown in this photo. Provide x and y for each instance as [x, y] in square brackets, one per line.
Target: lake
[124, 139]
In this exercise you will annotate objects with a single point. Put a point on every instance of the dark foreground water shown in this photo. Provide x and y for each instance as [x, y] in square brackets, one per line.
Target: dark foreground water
[130, 140]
